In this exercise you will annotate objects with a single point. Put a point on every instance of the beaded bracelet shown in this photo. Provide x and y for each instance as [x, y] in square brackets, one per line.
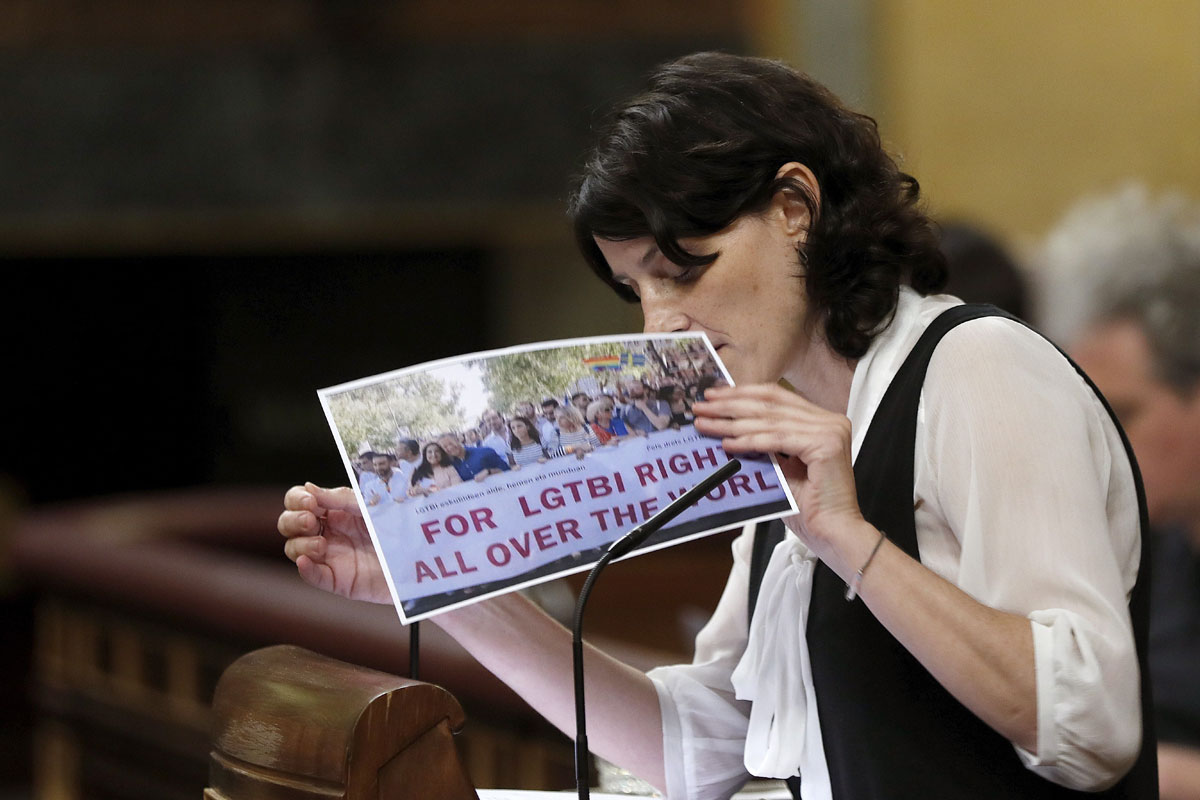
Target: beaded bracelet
[856, 581]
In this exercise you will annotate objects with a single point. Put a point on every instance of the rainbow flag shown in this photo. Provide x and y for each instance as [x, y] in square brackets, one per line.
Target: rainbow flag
[601, 363]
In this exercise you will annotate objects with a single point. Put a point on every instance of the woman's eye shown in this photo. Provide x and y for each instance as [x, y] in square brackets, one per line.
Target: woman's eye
[687, 274]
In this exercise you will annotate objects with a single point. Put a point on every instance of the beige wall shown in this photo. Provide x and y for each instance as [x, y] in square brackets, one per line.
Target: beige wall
[1009, 111]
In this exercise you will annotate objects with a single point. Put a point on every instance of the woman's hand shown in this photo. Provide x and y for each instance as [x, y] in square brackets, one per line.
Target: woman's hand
[328, 540]
[811, 444]
[983, 656]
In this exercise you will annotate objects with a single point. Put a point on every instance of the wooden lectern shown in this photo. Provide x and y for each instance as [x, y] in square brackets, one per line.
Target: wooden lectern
[292, 724]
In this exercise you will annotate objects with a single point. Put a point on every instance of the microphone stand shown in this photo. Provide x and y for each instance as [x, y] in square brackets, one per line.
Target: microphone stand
[617, 549]
[414, 650]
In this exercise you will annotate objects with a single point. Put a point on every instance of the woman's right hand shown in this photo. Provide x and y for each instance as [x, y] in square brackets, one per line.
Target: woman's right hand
[338, 557]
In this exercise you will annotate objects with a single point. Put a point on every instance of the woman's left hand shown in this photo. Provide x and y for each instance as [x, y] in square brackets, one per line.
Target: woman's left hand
[983, 656]
[811, 444]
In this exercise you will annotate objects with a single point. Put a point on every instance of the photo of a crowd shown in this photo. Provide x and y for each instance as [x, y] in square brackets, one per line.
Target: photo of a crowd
[500, 471]
[645, 391]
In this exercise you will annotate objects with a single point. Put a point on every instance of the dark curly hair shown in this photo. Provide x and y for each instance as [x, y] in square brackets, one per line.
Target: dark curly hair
[702, 146]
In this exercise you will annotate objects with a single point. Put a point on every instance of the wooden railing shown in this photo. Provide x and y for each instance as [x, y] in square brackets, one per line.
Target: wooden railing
[290, 723]
[145, 602]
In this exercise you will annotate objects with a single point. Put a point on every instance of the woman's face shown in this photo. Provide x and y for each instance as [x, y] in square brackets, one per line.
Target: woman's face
[604, 415]
[519, 429]
[567, 423]
[750, 300]
[433, 454]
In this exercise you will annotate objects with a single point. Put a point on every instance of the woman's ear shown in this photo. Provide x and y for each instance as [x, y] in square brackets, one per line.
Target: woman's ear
[792, 208]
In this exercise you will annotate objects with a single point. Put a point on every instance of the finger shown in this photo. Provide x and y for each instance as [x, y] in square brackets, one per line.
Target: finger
[298, 523]
[299, 498]
[316, 574]
[809, 448]
[312, 547]
[782, 424]
[761, 390]
[340, 499]
[754, 403]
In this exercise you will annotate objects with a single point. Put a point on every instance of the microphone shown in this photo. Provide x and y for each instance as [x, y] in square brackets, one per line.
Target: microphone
[685, 501]
[618, 548]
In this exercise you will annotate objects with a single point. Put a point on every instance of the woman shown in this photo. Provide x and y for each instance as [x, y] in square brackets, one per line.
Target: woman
[434, 472]
[681, 412]
[608, 429]
[525, 442]
[573, 437]
[957, 480]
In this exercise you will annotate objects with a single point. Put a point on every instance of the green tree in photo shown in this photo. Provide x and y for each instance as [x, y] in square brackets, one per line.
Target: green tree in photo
[417, 405]
[533, 375]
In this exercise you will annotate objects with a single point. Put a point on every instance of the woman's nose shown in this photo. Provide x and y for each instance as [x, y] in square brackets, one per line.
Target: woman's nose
[662, 317]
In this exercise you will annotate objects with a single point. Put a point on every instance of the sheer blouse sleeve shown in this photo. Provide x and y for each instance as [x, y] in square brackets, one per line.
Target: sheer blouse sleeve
[1020, 463]
[704, 725]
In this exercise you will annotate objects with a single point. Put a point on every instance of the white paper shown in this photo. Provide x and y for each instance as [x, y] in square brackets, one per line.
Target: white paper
[475, 535]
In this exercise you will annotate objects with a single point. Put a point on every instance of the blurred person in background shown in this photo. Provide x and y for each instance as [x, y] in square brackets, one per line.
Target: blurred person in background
[980, 268]
[1139, 340]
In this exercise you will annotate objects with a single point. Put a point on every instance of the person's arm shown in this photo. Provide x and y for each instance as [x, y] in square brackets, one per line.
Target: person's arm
[509, 635]
[1178, 772]
[528, 650]
[659, 421]
[1023, 474]
[494, 462]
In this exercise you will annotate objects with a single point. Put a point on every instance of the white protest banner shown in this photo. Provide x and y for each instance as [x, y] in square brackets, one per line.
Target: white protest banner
[501, 497]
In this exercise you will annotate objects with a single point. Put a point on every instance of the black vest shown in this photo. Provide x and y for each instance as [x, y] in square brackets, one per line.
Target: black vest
[891, 732]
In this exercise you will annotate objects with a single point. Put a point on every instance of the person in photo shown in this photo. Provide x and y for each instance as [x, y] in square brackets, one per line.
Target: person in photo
[435, 472]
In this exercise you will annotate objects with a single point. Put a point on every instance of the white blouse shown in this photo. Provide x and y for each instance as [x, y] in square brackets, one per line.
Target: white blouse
[1023, 499]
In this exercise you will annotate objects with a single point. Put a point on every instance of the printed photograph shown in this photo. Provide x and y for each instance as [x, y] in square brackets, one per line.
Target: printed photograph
[495, 471]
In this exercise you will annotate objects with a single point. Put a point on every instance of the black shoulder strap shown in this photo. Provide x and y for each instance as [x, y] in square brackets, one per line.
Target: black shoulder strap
[911, 374]
[766, 536]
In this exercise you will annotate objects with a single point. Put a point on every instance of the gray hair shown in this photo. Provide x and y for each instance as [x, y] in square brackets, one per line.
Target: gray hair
[1126, 255]
[594, 407]
[1168, 313]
